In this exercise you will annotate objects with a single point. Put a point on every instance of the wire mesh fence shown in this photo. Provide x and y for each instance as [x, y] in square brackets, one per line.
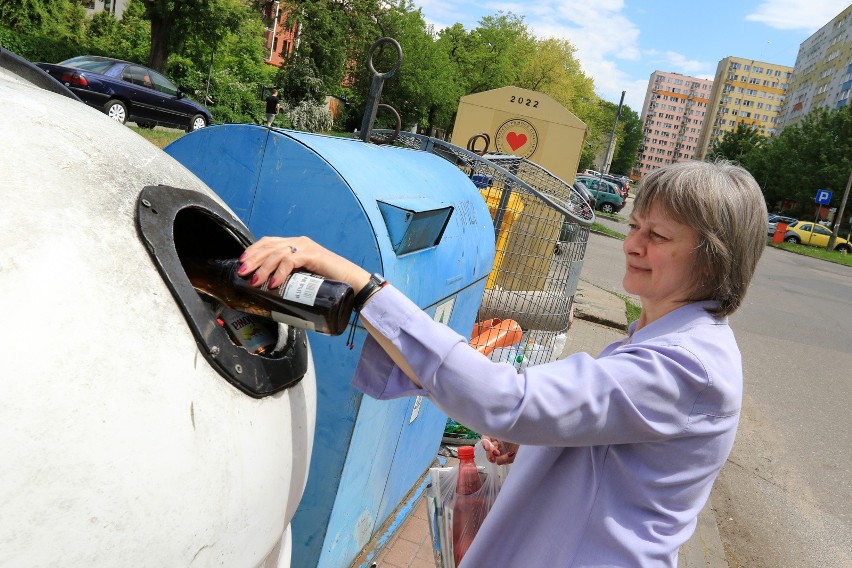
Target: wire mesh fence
[541, 228]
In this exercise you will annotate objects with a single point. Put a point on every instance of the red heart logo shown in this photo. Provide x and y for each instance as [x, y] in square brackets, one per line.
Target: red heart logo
[516, 140]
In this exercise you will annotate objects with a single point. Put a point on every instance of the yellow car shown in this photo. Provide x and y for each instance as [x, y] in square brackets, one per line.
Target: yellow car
[814, 234]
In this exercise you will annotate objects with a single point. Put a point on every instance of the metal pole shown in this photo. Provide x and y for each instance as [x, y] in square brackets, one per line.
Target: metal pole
[838, 217]
[209, 73]
[610, 150]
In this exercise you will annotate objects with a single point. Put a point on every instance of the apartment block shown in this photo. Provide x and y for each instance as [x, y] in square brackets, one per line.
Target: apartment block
[744, 91]
[279, 37]
[822, 76]
[672, 115]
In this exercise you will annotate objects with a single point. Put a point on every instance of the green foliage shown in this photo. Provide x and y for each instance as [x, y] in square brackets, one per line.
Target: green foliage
[736, 145]
[629, 138]
[309, 116]
[814, 154]
[335, 38]
[423, 90]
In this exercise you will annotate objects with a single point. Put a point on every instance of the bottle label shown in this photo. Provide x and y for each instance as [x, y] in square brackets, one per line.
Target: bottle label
[248, 331]
[302, 288]
[294, 321]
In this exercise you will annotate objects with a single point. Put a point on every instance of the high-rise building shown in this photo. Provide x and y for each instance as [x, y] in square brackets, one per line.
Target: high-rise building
[744, 91]
[672, 115]
[822, 76]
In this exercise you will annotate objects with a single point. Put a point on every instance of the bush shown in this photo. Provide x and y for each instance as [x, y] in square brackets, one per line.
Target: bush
[310, 116]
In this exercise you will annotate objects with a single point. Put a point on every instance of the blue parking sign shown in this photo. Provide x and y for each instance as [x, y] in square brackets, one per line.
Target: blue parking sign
[823, 196]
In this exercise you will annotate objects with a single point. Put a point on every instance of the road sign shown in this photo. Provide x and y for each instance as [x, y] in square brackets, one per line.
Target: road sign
[823, 196]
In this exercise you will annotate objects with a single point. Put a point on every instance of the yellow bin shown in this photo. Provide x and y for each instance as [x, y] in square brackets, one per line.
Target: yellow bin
[514, 208]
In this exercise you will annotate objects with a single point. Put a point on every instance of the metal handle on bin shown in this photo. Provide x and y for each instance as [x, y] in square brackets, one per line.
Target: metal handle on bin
[376, 87]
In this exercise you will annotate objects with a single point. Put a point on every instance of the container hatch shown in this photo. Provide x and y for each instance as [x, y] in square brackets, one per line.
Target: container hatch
[178, 224]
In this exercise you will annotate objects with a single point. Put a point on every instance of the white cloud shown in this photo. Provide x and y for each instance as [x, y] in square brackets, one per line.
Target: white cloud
[808, 15]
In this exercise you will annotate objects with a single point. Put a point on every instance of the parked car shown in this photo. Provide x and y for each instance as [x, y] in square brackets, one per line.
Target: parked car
[775, 219]
[815, 235]
[623, 186]
[585, 192]
[129, 91]
[607, 197]
[591, 172]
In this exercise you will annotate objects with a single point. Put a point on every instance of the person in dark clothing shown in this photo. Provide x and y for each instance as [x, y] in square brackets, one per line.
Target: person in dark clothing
[273, 106]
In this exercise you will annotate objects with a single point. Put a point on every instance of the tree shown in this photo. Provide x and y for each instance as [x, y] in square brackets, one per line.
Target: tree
[63, 17]
[425, 89]
[170, 20]
[488, 57]
[627, 148]
[331, 44]
[813, 154]
[736, 145]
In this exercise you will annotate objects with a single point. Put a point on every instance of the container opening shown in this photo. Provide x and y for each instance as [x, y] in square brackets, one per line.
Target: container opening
[177, 225]
[198, 236]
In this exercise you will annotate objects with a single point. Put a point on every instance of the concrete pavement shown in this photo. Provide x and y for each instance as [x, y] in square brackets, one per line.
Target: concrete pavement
[600, 318]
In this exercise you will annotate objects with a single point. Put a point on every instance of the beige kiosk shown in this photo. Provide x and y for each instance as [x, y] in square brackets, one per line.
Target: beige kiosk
[524, 123]
[534, 126]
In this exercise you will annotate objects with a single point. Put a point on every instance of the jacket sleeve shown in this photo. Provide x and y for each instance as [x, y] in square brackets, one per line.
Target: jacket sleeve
[641, 392]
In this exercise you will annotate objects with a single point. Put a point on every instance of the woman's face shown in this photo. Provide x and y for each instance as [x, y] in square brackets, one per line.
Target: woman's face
[660, 255]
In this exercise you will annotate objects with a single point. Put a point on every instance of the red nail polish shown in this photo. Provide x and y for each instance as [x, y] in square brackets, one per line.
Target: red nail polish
[242, 257]
[254, 279]
[271, 282]
[241, 269]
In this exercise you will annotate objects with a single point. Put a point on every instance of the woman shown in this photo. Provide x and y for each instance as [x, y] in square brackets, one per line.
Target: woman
[619, 452]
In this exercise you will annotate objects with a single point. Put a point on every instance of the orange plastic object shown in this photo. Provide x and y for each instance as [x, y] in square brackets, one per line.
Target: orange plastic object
[488, 335]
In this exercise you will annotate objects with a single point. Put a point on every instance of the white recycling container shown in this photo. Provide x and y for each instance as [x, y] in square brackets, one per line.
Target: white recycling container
[133, 432]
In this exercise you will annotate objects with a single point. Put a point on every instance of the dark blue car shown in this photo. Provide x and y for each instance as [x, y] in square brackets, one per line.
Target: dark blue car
[129, 91]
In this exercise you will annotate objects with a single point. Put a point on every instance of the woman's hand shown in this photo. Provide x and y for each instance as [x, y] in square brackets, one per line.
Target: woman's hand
[499, 452]
[274, 258]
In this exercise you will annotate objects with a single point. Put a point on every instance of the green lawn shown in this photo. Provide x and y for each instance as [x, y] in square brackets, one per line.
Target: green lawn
[815, 252]
[158, 137]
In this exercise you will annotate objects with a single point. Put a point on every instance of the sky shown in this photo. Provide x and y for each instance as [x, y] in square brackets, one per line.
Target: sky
[620, 43]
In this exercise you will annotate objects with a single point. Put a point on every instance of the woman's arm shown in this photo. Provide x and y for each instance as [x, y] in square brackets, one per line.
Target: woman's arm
[276, 257]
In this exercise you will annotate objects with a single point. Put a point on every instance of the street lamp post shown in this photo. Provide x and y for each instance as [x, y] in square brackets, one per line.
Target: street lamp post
[838, 216]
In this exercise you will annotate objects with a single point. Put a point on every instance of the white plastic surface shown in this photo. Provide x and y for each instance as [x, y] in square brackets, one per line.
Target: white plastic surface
[120, 445]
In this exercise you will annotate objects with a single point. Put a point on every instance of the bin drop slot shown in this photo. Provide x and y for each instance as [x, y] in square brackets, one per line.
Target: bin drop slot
[414, 224]
[178, 224]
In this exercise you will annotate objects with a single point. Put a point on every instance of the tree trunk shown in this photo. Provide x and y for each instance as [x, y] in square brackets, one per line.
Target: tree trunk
[160, 32]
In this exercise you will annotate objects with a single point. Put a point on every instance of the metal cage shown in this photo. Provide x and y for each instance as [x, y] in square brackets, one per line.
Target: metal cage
[541, 227]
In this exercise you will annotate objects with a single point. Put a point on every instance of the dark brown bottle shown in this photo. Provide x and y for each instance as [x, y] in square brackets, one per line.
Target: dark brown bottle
[304, 300]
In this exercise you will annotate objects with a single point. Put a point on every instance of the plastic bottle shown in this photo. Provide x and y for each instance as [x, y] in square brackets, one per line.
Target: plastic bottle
[304, 300]
[469, 508]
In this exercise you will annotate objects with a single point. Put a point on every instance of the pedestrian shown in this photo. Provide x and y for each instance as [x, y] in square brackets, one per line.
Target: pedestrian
[273, 107]
[614, 455]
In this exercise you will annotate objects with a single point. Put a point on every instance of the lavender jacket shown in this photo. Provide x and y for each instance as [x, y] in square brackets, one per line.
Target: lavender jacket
[619, 452]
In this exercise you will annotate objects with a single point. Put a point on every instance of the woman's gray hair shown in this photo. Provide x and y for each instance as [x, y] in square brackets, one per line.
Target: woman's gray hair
[725, 206]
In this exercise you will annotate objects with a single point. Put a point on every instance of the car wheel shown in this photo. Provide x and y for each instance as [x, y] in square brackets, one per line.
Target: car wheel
[608, 208]
[116, 110]
[198, 121]
[792, 239]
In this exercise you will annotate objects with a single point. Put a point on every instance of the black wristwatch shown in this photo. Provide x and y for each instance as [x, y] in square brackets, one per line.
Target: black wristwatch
[374, 285]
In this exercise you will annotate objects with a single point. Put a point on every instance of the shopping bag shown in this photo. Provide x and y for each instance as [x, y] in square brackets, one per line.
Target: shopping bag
[442, 503]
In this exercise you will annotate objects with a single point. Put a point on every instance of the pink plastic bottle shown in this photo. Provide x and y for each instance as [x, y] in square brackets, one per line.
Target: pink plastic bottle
[468, 508]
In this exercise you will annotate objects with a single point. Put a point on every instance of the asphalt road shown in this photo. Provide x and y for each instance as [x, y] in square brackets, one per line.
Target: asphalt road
[784, 499]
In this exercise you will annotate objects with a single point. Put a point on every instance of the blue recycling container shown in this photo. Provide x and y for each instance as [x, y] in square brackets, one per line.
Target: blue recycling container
[410, 215]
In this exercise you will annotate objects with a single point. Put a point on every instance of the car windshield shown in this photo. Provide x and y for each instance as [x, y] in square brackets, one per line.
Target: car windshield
[88, 64]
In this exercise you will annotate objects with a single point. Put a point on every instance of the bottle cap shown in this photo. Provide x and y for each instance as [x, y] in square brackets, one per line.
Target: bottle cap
[466, 452]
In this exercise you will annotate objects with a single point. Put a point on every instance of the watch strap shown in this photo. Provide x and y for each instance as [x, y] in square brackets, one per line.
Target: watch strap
[375, 283]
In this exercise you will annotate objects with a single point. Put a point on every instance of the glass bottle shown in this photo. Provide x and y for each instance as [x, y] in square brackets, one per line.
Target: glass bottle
[469, 507]
[255, 334]
[304, 300]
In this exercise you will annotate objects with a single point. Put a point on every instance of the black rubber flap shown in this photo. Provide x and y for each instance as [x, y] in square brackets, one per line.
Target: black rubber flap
[158, 207]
